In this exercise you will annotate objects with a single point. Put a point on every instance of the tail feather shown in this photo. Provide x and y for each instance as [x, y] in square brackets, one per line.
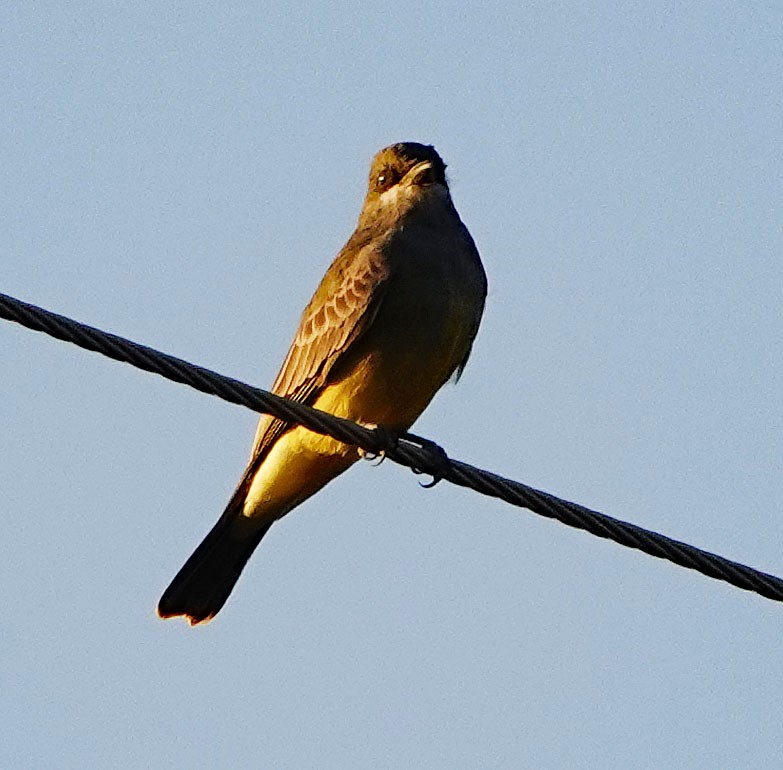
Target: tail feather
[204, 583]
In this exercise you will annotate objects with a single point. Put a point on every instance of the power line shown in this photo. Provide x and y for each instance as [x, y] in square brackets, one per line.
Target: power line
[421, 455]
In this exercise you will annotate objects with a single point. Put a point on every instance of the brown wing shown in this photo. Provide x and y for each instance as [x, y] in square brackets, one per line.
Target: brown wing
[341, 309]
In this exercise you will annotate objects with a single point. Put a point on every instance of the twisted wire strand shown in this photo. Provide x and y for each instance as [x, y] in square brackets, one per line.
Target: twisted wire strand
[421, 455]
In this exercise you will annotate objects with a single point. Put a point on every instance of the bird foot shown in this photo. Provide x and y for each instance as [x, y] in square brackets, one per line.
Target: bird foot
[386, 439]
[438, 461]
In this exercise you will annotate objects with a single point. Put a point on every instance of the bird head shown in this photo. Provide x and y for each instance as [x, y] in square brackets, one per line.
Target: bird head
[404, 176]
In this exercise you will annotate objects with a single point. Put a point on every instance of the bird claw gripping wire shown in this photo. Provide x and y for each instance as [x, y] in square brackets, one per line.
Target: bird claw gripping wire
[386, 440]
[437, 460]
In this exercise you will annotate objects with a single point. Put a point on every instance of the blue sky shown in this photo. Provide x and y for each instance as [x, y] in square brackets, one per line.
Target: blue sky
[183, 177]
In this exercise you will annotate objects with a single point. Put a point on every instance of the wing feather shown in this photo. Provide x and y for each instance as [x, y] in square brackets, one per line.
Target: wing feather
[341, 310]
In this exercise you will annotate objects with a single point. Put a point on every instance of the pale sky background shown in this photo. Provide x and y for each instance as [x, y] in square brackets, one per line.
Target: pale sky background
[183, 177]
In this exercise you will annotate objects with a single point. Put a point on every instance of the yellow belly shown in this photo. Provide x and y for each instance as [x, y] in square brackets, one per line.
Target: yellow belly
[301, 462]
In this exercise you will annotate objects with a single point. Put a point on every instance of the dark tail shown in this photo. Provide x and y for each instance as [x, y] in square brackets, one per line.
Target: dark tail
[202, 586]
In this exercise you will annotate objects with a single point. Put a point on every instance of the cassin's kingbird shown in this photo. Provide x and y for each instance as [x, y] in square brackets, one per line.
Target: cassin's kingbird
[393, 318]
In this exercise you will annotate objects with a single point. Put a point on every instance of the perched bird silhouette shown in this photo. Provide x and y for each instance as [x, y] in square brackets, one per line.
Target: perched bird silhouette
[393, 319]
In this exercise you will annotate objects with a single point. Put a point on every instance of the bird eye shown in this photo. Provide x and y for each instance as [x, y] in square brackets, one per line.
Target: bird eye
[385, 179]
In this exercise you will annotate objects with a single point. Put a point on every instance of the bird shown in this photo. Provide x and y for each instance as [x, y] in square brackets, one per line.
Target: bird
[393, 319]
